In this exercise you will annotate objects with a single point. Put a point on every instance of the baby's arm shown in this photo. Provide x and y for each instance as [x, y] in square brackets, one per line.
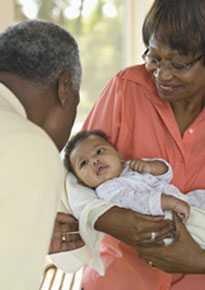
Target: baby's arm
[154, 167]
[179, 206]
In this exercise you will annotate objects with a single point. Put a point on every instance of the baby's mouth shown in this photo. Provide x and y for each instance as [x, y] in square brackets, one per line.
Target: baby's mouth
[100, 169]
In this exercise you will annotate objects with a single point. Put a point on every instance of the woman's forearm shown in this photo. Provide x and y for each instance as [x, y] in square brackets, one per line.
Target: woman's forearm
[131, 227]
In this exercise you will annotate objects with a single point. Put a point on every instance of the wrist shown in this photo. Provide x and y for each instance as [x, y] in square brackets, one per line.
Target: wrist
[166, 202]
[104, 222]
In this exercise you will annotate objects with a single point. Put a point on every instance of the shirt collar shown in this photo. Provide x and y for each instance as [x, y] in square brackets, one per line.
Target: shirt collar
[139, 75]
[8, 97]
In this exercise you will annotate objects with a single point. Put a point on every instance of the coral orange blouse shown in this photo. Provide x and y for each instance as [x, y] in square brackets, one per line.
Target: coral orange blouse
[141, 125]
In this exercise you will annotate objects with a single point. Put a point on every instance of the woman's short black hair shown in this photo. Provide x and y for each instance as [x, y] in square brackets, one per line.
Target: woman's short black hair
[180, 24]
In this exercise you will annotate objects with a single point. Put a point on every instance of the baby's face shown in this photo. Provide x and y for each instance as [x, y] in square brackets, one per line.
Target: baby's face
[95, 161]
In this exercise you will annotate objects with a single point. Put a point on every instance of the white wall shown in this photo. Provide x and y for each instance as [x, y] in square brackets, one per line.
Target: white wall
[6, 13]
[135, 14]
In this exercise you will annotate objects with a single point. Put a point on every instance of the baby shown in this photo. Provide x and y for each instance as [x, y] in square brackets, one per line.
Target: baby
[141, 185]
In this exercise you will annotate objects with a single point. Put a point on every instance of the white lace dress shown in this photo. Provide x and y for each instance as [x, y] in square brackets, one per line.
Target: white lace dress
[142, 192]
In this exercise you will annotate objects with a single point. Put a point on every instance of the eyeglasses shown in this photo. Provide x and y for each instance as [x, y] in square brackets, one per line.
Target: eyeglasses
[174, 67]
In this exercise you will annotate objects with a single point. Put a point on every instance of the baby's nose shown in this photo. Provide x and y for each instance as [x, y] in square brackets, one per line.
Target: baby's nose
[95, 161]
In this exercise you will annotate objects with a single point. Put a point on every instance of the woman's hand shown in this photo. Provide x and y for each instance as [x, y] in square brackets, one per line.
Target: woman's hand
[183, 256]
[65, 234]
[133, 228]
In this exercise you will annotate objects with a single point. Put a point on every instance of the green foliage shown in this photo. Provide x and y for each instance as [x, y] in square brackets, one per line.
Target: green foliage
[99, 38]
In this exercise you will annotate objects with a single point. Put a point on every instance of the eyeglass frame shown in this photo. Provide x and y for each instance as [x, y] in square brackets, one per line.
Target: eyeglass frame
[184, 68]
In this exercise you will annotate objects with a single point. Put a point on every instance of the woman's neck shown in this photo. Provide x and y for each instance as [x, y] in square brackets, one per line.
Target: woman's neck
[186, 111]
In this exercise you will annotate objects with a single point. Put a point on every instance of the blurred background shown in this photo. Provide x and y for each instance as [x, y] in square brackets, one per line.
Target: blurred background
[108, 33]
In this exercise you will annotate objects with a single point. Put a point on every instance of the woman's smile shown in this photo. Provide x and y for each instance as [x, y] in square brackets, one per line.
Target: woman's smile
[168, 89]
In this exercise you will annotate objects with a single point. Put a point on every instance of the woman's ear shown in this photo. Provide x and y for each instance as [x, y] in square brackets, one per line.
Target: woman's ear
[64, 87]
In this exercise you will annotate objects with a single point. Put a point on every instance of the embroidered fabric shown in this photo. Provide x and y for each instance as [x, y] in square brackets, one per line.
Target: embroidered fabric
[142, 192]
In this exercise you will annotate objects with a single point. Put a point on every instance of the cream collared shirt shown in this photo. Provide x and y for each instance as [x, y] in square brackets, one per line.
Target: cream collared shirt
[83, 203]
[31, 184]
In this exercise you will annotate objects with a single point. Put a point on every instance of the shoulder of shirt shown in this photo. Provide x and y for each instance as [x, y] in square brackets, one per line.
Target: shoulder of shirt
[14, 125]
[37, 133]
[137, 74]
[31, 137]
[35, 150]
[17, 131]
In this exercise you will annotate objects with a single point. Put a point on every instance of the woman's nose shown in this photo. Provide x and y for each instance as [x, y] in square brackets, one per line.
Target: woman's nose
[163, 73]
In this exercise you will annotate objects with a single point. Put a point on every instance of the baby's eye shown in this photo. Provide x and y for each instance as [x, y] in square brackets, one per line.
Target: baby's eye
[100, 151]
[83, 163]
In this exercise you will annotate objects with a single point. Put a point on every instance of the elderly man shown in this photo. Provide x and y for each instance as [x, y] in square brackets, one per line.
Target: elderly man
[40, 76]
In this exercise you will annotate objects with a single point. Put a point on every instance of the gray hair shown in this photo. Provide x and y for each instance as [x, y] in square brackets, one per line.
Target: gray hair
[39, 51]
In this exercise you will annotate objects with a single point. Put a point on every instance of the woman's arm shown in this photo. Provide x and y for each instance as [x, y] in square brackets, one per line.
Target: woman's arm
[133, 228]
[123, 224]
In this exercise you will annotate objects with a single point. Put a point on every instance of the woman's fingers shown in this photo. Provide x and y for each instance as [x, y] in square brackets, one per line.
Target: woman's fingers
[154, 231]
[179, 257]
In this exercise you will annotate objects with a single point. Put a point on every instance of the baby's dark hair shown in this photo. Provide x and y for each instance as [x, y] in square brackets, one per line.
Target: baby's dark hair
[78, 138]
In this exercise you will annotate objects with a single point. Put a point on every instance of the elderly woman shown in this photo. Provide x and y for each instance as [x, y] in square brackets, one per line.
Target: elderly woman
[157, 109]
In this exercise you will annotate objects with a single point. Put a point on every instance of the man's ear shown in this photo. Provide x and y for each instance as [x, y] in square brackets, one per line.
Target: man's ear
[64, 87]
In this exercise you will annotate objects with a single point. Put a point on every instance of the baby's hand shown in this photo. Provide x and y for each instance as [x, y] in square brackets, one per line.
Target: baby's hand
[139, 165]
[179, 206]
[183, 210]
[155, 167]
